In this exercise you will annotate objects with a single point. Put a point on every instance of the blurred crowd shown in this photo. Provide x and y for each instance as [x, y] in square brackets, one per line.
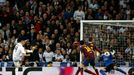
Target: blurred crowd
[53, 26]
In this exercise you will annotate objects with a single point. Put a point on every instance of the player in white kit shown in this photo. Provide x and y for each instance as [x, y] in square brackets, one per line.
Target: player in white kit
[19, 52]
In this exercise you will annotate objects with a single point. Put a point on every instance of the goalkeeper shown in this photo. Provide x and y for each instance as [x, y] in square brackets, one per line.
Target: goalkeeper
[107, 58]
[88, 54]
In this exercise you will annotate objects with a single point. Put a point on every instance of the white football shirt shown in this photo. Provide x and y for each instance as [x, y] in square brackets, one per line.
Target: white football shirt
[18, 52]
[48, 56]
[80, 15]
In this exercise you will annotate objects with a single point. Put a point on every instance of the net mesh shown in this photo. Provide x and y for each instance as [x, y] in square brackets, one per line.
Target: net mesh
[114, 36]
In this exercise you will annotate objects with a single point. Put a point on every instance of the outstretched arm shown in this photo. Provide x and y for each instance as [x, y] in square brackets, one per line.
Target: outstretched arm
[112, 52]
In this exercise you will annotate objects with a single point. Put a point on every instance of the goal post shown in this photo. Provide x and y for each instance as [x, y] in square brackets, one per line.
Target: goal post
[113, 34]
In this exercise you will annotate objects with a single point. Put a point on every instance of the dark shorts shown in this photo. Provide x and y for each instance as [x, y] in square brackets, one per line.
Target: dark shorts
[110, 67]
[86, 62]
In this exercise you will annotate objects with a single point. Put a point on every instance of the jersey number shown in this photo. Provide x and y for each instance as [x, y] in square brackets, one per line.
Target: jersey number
[87, 48]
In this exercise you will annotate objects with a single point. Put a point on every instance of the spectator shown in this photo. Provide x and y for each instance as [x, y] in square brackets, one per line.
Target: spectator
[89, 14]
[79, 14]
[1, 53]
[99, 15]
[6, 49]
[46, 41]
[27, 18]
[68, 48]
[40, 53]
[5, 32]
[32, 35]
[38, 26]
[130, 50]
[66, 59]
[4, 58]
[58, 56]
[119, 56]
[37, 40]
[49, 22]
[58, 46]
[94, 5]
[34, 56]
[68, 13]
[74, 55]
[9, 56]
[48, 54]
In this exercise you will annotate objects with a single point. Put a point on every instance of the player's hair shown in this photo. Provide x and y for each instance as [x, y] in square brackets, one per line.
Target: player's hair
[21, 38]
[81, 42]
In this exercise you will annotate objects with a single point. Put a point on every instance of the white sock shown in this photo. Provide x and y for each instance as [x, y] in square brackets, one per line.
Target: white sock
[16, 71]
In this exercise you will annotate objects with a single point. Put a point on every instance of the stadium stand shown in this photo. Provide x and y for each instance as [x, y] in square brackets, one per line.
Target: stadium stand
[48, 22]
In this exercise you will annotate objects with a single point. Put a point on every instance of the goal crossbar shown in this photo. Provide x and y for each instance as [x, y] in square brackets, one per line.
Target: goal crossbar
[106, 23]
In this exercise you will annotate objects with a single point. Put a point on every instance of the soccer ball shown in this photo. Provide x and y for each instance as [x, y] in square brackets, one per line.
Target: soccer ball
[107, 54]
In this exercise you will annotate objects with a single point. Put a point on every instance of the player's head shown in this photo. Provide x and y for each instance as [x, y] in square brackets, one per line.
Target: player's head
[82, 42]
[22, 40]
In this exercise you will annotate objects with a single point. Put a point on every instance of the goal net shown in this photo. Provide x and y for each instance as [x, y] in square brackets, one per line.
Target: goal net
[115, 35]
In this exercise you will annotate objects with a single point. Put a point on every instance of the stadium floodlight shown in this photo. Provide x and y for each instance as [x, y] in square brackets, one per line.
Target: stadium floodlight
[111, 34]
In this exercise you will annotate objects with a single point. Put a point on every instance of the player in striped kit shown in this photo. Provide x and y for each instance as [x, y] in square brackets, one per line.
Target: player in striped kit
[88, 54]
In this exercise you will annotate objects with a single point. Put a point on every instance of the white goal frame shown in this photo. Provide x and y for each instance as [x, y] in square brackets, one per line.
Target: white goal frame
[101, 21]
